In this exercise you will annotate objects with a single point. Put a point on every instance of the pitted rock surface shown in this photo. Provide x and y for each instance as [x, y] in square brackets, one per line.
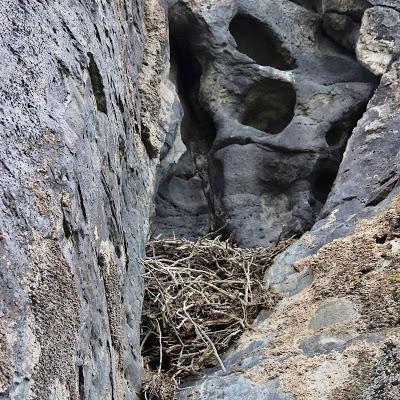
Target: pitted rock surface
[267, 114]
[262, 120]
[336, 339]
[379, 42]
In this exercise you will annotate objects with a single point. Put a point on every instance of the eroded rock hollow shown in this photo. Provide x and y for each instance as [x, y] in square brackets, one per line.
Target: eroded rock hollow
[267, 112]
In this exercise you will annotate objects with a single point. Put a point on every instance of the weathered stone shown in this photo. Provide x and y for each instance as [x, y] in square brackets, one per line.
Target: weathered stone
[76, 188]
[236, 387]
[268, 174]
[360, 188]
[394, 4]
[379, 42]
[387, 375]
[259, 130]
[353, 8]
[324, 343]
[333, 312]
[342, 29]
[316, 343]
[284, 110]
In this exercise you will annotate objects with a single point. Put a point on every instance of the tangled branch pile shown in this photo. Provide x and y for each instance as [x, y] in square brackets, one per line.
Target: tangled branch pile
[200, 296]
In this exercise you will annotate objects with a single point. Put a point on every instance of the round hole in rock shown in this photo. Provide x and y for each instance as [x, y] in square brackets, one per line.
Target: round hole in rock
[334, 136]
[269, 106]
[259, 42]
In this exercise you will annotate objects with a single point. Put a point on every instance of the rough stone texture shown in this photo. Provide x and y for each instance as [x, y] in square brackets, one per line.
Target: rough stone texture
[238, 387]
[257, 139]
[379, 43]
[342, 29]
[337, 339]
[327, 164]
[331, 313]
[352, 8]
[394, 4]
[76, 186]
[367, 179]
[264, 138]
[386, 374]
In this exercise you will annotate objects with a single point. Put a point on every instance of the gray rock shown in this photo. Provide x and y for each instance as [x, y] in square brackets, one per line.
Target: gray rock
[283, 277]
[235, 387]
[387, 375]
[245, 358]
[76, 187]
[333, 312]
[283, 107]
[262, 176]
[342, 29]
[352, 8]
[394, 4]
[324, 343]
[379, 42]
[256, 138]
[366, 182]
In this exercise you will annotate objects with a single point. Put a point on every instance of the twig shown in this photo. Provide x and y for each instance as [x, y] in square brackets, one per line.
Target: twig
[161, 347]
[204, 335]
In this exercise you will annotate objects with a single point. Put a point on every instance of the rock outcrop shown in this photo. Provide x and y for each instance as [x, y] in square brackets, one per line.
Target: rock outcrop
[267, 114]
[78, 157]
[255, 119]
[337, 339]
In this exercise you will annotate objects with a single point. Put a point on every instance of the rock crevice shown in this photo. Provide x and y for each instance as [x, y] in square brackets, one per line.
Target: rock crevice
[261, 120]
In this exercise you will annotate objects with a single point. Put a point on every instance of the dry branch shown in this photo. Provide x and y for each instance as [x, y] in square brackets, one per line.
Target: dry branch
[199, 297]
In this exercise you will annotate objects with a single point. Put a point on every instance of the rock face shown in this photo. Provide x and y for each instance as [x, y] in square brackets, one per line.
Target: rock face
[77, 175]
[336, 339]
[267, 114]
[288, 131]
[262, 120]
[379, 42]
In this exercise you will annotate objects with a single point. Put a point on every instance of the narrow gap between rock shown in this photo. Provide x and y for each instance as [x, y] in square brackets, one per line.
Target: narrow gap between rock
[81, 383]
[197, 167]
[97, 84]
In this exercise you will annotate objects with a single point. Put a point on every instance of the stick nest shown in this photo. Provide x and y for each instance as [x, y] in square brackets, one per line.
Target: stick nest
[199, 297]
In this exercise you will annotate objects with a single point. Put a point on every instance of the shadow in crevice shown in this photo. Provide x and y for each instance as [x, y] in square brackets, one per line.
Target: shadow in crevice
[322, 182]
[198, 128]
[97, 84]
[196, 174]
[81, 383]
[341, 130]
[337, 137]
